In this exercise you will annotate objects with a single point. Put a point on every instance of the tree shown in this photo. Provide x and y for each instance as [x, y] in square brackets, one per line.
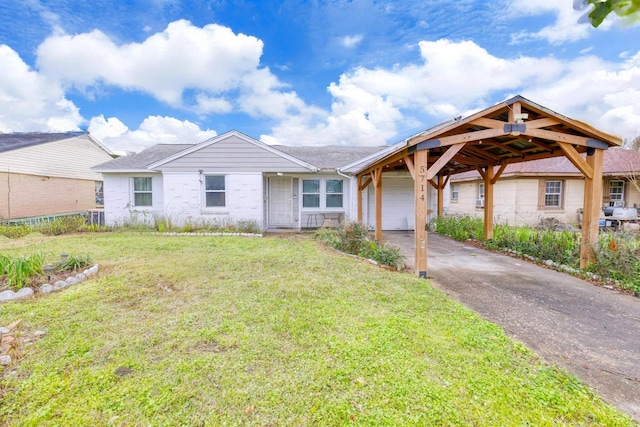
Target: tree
[626, 9]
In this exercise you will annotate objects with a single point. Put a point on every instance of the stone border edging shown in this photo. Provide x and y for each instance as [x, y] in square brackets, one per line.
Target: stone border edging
[10, 295]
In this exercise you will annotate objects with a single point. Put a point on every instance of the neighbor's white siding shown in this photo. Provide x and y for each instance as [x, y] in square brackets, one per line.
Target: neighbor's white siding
[67, 158]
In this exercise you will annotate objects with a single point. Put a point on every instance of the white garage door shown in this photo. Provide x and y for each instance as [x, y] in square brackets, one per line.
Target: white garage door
[397, 204]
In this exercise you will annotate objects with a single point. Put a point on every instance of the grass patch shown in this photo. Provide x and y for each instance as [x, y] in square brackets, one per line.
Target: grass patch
[274, 331]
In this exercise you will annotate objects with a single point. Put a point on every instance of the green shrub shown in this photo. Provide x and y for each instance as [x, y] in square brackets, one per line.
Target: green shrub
[352, 237]
[14, 231]
[63, 225]
[460, 227]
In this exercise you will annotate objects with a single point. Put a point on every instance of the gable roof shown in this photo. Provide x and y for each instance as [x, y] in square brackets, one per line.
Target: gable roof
[511, 131]
[616, 162]
[224, 136]
[15, 141]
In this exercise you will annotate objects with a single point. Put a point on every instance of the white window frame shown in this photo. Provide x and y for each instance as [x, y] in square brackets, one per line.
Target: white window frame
[455, 192]
[318, 193]
[216, 191]
[327, 193]
[136, 192]
[616, 196]
[557, 193]
[322, 195]
[481, 190]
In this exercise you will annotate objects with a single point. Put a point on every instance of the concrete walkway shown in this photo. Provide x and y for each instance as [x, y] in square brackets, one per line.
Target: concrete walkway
[592, 332]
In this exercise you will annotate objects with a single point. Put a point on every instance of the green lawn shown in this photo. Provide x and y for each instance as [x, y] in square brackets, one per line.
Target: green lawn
[267, 331]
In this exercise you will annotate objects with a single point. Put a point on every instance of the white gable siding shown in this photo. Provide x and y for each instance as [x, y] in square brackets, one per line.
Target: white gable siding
[118, 200]
[232, 154]
[68, 158]
[184, 199]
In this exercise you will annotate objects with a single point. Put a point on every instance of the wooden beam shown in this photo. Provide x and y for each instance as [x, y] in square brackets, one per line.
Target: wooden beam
[591, 210]
[468, 137]
[542, 123]
[363, 185]
[359, 191]
[433, 184]
[488, 203]
[421, 192]
[482, 173]
[441, 185]
[497, 175]
[475, 149]
[562, 137]
[488, 123]
[444, 159]
[514, 109]
[409, 162]
[376, 176]
[577, 160]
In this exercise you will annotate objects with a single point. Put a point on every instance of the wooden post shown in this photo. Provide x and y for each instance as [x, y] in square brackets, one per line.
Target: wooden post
[441, 185]
[359, 191]
[488, 203]
[376, 176]
[421, 191]
[591, 209]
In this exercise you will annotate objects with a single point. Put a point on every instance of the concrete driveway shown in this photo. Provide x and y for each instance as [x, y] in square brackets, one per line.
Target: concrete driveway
[592, 332]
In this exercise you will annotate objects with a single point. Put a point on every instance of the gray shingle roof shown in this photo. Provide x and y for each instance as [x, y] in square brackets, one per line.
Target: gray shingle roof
[328, 157]
[141, 160]
[14, 141]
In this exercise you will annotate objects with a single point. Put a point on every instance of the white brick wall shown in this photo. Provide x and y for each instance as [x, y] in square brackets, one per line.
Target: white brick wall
[184, 199]
[118, 200]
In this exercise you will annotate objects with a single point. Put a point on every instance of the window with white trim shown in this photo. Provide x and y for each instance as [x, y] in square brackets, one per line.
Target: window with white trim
[616, 190]
[99, 193]
[310, 193]
[455, 192]
[142, 191]
[553, 194]
[333, 193]
[215, 191]
[481, 190]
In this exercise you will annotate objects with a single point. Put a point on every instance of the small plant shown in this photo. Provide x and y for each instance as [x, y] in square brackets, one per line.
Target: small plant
[14, 231]
[73, 262]
[352, 237]
[63, 225]
[20, 270]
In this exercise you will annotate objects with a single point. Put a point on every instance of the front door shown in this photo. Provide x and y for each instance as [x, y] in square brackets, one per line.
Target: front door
[280, 201]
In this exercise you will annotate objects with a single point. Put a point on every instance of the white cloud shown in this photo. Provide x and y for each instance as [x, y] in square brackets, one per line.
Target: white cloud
[31, 102]
[352, 41]
[211, 59]
[565, 28]
[153, 130]
[370, 106]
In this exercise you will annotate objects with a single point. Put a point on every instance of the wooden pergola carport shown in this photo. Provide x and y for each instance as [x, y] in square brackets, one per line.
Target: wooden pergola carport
[516, 130]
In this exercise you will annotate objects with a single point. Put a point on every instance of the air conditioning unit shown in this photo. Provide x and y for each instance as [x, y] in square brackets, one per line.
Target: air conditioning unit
[479, 203]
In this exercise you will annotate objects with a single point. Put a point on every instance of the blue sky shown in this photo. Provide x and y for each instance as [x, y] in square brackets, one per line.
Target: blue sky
[360, 72]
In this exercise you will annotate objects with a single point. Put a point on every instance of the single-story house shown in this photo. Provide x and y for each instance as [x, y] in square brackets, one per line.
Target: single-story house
[529, 192]
[233, 177]
[46, 174]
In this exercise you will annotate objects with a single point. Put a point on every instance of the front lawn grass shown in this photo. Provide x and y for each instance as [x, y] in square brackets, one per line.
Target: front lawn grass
[267, 331]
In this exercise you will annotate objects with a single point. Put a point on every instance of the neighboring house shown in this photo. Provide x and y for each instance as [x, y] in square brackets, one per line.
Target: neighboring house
[43, 174]
[233, 177]
[546, 188]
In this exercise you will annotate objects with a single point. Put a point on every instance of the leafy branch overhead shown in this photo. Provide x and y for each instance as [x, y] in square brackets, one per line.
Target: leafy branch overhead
[626, 9]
